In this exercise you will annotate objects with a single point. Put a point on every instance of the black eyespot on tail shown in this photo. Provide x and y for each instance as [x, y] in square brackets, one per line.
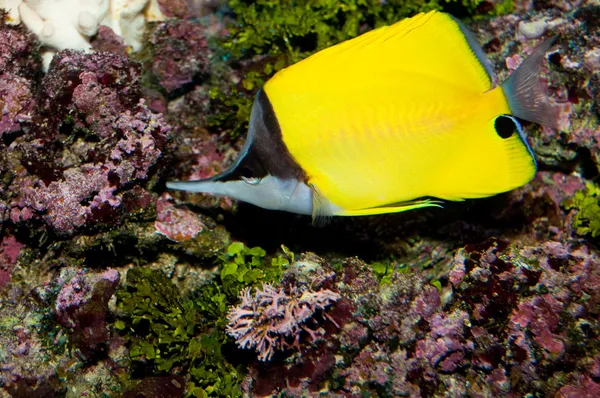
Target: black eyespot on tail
[505, 126]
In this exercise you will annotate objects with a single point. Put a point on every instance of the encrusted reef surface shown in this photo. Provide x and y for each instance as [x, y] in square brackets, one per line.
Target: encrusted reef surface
[112, 286]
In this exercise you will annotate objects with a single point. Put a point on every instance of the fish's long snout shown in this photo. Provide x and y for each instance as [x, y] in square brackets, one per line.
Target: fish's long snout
[209, 185]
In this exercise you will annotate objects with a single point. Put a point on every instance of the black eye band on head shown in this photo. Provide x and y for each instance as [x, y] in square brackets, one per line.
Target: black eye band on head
[250, 167]
[264, 152]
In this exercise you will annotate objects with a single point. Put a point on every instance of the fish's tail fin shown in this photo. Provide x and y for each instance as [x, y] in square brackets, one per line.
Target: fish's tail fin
[526, 96]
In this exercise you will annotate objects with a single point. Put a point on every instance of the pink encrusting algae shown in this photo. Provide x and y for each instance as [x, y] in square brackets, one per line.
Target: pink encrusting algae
[178, 224]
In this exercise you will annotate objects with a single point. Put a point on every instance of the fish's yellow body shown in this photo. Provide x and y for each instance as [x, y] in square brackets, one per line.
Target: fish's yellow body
[399, 113]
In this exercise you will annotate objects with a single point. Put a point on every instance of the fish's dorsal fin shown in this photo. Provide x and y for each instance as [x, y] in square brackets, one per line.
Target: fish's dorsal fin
[525, 94]
[476, 48]
[433, 45]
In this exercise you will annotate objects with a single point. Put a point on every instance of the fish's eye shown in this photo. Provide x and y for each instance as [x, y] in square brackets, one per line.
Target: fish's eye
[247, 175]
[246, 172]
[251, 180]
[505, 126]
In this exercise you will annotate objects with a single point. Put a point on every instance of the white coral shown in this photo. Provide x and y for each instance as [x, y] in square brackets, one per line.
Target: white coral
[63, 24]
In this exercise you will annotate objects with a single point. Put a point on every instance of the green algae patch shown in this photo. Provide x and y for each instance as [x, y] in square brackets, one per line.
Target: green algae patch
[296, 28]
[163, 323]
[168, 335]
[244, 267]
[587, 204]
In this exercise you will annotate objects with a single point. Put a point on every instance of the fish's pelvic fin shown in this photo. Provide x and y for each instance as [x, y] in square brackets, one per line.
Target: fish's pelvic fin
[323, 210]
[395, 208]
[525, 94]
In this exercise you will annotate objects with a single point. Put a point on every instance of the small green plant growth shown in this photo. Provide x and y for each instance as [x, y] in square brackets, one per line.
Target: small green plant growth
[163, 322]
[587, 204]
[437, 284]
[241, 267]
[502, 8]
[383, 271]
[244, 267]
[295, 29]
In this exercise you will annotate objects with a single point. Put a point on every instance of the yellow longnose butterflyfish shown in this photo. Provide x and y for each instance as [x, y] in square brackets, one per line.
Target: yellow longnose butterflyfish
[386, 121]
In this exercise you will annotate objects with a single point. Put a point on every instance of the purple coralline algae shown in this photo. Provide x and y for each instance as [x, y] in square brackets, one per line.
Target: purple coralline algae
[532, 312]
[24, 365]
[10, 248]
[76, 292]
[82, 306]
[177, 223]
[205, 158]
[71, 309]
[486, 298]
[107, 40]
[273, 320]
[91, 141]
[583, 387]
[180, 54]
[16, 78]
[201, 156]
[511, 321]
[176, 8]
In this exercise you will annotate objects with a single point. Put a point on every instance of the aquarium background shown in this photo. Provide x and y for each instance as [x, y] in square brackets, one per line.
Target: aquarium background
[110, 285]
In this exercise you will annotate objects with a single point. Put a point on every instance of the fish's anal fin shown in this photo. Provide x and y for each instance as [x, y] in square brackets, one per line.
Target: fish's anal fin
[525, 94]
[323, 209]
[397, 208]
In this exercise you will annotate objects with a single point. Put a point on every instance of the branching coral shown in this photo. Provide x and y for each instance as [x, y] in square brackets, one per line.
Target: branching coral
[69, 24]
[273, 320]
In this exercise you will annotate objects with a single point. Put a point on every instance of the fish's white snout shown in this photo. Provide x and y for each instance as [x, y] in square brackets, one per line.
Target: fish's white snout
[269, 192]
[202, 186]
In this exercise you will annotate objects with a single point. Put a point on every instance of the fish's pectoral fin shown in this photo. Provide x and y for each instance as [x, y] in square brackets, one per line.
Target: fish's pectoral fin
[323, 209]
[395, 208]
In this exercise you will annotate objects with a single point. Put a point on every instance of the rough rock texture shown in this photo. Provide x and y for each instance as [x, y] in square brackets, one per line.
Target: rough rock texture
[514, 321]
[37, 351]
[16, 78]
[88, 149]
